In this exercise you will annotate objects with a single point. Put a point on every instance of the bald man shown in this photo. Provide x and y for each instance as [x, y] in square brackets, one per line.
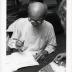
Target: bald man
[33, 34]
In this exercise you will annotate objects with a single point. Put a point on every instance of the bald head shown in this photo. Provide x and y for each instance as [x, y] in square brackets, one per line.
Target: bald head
[37, 10]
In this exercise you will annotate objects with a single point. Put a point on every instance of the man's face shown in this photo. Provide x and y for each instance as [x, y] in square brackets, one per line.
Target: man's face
[36, 23]
[37, 12]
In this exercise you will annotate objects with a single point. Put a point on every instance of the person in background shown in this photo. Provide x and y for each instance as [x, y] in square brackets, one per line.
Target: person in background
[62, 14]
[33, 34]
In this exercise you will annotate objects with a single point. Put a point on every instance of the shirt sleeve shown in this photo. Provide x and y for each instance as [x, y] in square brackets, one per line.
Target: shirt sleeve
[51, 40]
[15, 34]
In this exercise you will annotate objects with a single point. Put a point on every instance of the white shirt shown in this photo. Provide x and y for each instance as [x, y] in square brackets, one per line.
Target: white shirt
[33, 39]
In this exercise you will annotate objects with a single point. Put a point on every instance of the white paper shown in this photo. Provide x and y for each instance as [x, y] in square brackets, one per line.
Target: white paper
[17, 60]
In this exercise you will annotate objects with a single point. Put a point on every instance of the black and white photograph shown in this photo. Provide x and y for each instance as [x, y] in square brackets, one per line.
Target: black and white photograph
[36, 35]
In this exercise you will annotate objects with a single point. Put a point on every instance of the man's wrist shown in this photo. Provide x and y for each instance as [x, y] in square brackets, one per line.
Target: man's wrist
[50, 49]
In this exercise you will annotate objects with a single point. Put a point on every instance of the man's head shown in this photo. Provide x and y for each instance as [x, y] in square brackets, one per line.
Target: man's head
[37, 12]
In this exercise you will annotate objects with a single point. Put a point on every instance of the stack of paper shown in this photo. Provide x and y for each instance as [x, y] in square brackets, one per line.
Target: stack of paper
[17, 60]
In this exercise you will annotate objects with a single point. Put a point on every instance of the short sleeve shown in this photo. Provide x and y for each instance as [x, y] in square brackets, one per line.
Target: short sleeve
[14, 27]
[51, 39]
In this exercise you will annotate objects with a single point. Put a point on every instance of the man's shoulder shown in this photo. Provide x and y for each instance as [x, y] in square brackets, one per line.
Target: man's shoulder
[17, 24]
[21, 20]
[48, 24]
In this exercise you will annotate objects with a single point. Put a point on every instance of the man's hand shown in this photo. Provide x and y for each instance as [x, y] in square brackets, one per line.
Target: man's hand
[60, 59]
[60, 56]
[19, 45]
